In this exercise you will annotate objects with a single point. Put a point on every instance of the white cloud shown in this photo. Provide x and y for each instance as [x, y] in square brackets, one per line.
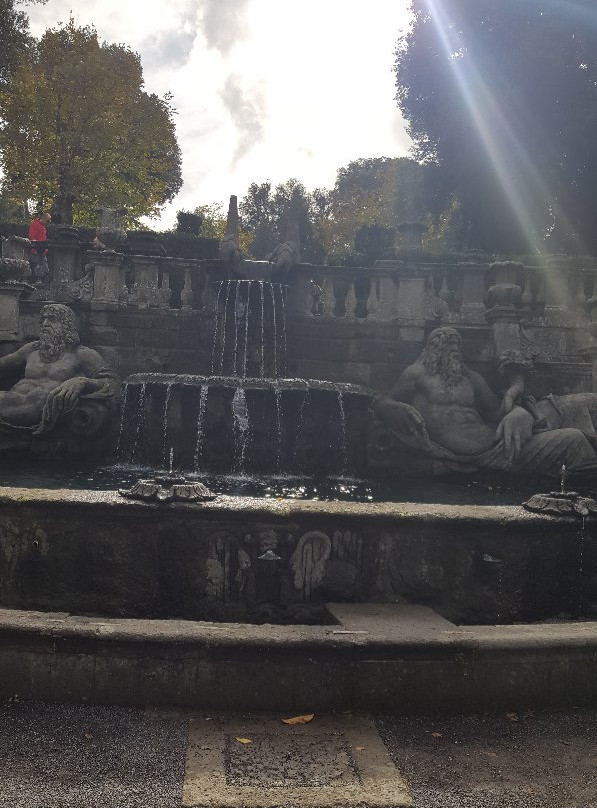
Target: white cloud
[264, 89]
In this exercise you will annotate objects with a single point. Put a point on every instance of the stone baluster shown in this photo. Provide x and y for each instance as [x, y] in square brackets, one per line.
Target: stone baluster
[444, 292]
[200, 286]
[351, 298]
[373, 298]
[340, 285]
[362, 288]
[186, 296]
[164, 292]
[108, 280]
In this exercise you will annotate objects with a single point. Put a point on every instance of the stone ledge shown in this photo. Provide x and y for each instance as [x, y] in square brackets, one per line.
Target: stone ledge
[372, 511]
[386, 656]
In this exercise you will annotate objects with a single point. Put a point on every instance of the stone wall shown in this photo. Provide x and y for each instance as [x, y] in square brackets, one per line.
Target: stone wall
[91, 552]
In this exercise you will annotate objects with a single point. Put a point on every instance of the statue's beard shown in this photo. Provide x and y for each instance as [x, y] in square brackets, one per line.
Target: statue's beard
[448, 365]
[51, 345]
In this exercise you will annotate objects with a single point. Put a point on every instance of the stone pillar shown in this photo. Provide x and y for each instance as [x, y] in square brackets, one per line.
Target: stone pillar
[505, 312]
[590, 352]
[10, 295]
[109, 288]
[386, 270]
[65, 255]
[413, 280]
[145, 290]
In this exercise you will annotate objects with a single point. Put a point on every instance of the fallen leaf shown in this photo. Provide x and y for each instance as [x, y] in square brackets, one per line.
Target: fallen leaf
[437, 734]
[243, 740]
[88, 735]
[299, 719]
[512, 717]
[360, 748]
[490, 754]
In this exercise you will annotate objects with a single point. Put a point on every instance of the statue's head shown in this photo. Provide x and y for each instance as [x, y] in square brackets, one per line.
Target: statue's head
[57, 331]
[442, 355]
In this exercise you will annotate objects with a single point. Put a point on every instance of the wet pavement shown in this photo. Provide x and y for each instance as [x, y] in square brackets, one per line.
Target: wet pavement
[67, 756]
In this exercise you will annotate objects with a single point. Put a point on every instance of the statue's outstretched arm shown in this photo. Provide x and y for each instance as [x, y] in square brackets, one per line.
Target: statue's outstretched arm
[17, 359]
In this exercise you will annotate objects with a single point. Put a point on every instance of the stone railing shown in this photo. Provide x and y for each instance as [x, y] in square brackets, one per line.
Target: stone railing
[556, 291]
[451, 292]
[148, 282]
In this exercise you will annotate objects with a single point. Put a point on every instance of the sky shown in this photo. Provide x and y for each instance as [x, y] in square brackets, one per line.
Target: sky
[263, 89]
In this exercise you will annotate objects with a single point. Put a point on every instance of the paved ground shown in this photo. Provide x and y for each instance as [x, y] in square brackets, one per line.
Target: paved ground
[64, 756]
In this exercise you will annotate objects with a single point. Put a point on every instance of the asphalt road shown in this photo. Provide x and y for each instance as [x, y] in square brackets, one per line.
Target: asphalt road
[67, 756]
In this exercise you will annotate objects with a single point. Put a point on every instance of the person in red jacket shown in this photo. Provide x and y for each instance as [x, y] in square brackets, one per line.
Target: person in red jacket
[38, 260]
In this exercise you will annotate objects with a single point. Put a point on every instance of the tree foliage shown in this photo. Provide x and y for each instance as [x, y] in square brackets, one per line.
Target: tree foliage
[502, 95]
[353, 222]
[78, 131]
[14, 37]
[264, 213]
[371, 197]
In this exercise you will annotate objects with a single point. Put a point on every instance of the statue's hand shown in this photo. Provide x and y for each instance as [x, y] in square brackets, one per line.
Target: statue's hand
[63, 399]
[515, 429]
[512, 394]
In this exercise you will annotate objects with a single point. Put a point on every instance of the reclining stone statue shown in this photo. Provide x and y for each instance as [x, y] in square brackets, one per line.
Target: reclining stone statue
[59, 376]
[442, 416]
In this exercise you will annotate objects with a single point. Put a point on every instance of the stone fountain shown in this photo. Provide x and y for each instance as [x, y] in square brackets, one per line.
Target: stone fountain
[149, 575]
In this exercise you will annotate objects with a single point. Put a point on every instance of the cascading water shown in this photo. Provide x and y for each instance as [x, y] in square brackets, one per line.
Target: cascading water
[200, 427]
[241, 427]
[343, 444]
[140, 421]
[250, 329]
[252, 421]
[165, 422]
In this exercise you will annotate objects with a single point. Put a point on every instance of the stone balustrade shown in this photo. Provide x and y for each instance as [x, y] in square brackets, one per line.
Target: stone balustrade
[411, 292]
[456, 292]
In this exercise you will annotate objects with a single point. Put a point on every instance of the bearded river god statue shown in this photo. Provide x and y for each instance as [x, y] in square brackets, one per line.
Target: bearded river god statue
[443, 417]
[66, 389]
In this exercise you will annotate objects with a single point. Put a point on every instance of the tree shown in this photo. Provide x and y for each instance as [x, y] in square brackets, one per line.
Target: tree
[380, 192]
[14, 38]
[502, 96]
[264, 213]
[78, 131]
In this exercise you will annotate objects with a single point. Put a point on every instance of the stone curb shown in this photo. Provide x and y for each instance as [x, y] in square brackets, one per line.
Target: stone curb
[227, 666]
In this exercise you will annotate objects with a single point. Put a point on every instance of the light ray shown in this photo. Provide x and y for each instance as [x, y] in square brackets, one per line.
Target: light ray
[500, 142]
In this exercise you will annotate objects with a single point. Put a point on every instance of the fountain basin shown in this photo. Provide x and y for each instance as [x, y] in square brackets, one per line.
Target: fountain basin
[224, 425]
[96, 553]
